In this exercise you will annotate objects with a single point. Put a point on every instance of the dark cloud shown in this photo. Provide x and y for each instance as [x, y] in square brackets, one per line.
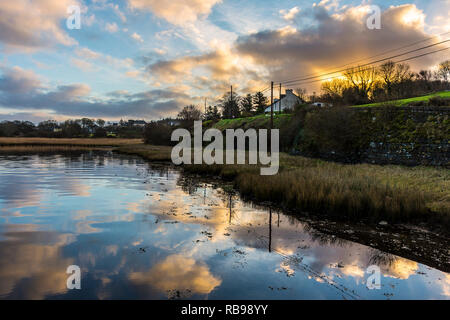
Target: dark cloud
[21, 90]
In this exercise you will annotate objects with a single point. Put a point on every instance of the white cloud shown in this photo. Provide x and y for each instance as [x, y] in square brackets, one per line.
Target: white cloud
[290, 14]
[137, 37]
[34, 24]
[177, 12]
[111, 27]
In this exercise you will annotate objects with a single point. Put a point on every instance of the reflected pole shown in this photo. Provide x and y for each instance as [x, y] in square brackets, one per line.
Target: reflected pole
[270, 229]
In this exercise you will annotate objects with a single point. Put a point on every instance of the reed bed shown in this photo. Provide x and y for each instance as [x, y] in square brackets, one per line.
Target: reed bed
[392, 193]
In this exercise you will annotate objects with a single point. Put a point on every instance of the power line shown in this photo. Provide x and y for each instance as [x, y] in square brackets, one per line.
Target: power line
[366, 64]
[352, 72]
[381, 54]
[310, 76]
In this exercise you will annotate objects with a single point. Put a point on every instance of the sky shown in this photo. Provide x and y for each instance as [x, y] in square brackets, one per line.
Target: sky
[146, 59]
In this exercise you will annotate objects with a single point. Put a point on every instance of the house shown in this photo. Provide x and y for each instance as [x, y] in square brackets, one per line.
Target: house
[322, 104]
[137, 123]
[288, 101]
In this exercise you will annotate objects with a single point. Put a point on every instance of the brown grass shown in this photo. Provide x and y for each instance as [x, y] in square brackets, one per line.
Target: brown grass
[393, 193]
[149, 152]
[68, 142]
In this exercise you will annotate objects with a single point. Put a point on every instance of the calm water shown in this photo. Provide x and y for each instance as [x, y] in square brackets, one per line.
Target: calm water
[143, 233]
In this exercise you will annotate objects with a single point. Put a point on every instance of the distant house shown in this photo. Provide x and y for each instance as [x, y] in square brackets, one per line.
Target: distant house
[322, 104]
[137, 123]
[287, 102]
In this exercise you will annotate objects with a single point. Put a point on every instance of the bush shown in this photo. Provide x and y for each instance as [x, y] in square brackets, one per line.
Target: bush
[158, 133]
[335, 129]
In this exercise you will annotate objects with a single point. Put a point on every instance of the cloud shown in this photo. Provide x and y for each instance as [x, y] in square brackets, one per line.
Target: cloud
[177, 12]
[334, 40]
[34, 24]
[112, 27]
[290, 14]
[23, 91]
[97, 57]
[178, 273]
[137, 37]
[17, 81]
[83, 65]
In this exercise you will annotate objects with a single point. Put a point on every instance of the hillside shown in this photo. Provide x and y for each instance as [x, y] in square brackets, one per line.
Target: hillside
[256, 122]
[405, 102]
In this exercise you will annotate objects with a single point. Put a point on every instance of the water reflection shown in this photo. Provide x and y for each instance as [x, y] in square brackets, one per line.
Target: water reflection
[141, 232]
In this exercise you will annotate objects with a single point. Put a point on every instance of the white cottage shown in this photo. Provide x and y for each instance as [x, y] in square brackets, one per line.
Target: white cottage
[288, 101]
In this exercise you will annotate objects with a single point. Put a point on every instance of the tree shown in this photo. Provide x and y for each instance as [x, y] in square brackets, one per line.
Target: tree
[444, 70]
[362, 80]
[212, 113]
[301, 93]
[71, 128]
[247, 104]
[190, 113]
[260, 101]
[335, 88]
[230, 106]
[101, 123]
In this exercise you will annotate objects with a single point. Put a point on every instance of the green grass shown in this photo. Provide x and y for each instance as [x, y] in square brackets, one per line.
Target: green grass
[405, 102]
[256, 122]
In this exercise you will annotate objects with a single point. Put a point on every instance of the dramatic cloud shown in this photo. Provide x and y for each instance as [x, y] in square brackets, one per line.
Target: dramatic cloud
[334, 40]
[176, 11]
[34, 24]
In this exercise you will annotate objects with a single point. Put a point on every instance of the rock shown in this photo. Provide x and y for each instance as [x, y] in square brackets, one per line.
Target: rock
[383, 223]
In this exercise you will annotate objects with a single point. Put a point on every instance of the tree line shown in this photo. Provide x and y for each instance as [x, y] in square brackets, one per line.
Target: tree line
[71, 128]
[390, 81]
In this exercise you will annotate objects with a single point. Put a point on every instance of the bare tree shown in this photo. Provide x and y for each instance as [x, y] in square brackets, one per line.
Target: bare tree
[190, 113]
[444, 70]
[301, 93]
[362, 80]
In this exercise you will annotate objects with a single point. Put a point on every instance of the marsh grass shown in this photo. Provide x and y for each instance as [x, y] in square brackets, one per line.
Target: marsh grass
[358, 191]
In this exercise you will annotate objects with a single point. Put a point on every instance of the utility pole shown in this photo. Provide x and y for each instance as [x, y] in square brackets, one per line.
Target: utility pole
[205, 105]
[231, 103]
[279, 109]
[271, 105]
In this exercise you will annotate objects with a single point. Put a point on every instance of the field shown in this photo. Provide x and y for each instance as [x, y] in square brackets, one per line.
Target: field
[405, 102]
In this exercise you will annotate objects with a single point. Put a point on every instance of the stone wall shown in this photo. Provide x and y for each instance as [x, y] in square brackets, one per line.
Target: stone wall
[396, 135]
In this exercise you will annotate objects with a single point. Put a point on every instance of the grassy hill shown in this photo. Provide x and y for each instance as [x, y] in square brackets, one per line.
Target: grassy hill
[257, 122]
[405, 102]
